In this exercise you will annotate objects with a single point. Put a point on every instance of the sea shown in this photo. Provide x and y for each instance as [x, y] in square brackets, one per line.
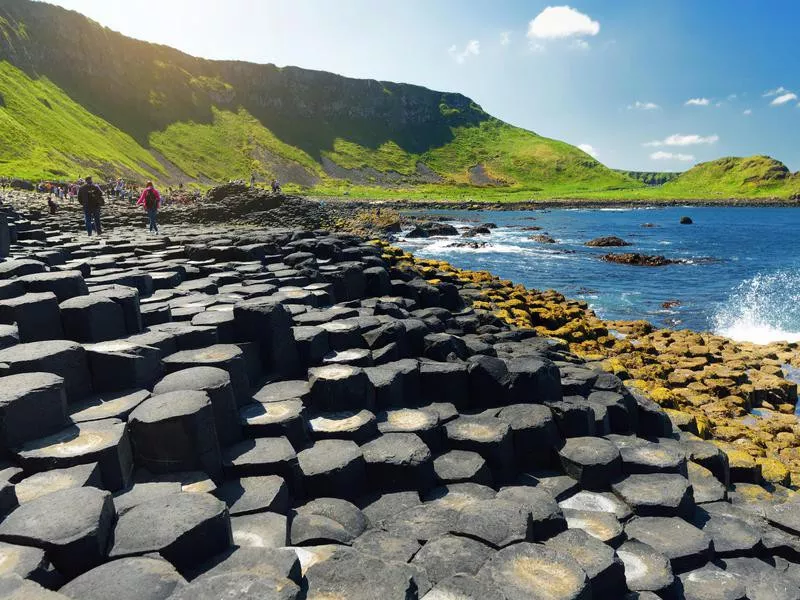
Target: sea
[739, 276]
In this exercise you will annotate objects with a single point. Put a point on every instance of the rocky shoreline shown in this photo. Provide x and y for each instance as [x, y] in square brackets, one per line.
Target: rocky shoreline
[514, 205]
[297, 412]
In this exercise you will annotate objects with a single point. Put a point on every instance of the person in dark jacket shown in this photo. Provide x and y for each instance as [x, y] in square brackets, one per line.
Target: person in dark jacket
[91, 198]
[151, 201]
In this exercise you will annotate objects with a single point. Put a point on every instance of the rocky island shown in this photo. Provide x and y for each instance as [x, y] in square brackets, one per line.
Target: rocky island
[304, 413]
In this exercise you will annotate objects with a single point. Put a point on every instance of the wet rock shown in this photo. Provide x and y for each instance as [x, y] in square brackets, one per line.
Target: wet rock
[607, 241]
[639, 260]
[686, 220]
[543, 238]
[430, 229]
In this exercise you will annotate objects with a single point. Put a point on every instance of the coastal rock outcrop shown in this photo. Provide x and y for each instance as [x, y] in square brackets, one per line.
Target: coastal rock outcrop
[430, 229]
[639, 260]
[299, 409]
[543, 238]
[607, 241]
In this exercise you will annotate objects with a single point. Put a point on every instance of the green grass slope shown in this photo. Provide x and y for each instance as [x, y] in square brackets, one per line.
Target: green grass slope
[729, 178]
[78, 98]
[45, 134]
[732, 177]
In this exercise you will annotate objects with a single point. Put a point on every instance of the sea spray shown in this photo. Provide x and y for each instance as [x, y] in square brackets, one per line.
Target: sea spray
[762, 309]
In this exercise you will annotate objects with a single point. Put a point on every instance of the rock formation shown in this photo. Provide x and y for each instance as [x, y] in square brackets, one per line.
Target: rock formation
[291, 413]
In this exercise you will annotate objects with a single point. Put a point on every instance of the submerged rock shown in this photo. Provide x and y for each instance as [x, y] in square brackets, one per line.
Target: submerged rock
[543, 239]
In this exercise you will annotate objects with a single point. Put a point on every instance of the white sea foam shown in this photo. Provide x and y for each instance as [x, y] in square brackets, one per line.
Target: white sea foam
[762, 309]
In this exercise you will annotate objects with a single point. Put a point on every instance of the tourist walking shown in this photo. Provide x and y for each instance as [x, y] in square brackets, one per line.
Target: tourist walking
[91, 198]
[151, 201]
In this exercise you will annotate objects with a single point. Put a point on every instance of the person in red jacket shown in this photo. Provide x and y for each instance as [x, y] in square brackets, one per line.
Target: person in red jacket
[151, 201]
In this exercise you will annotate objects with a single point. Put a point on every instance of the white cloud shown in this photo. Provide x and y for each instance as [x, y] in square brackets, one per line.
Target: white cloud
[556, 22]
[747, 112]
[677, 139]
[783, 99]
[697, 102]
[643, 106]
[732, 97]
[579, 45]
[661, 155]
[776, 92]
[589, 149]
[473, 48]
[505, 38]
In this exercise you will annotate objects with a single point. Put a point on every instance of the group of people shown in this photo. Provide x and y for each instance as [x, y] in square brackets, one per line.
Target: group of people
[274, 184]
[91, 197]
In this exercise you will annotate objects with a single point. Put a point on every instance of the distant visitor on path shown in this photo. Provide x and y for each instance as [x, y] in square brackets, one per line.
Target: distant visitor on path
[151, 200]
[253, 180]
[51, 205]
[276, 187]
[91, 198]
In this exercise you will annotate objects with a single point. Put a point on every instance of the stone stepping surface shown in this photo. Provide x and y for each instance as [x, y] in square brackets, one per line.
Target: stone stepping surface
[283, 414]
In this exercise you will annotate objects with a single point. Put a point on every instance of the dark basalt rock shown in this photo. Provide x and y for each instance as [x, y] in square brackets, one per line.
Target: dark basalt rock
[72, 526]
[135, 578]
[185, 528]
[608, 241]
[430, 229]
[639, 260]
[302, 387]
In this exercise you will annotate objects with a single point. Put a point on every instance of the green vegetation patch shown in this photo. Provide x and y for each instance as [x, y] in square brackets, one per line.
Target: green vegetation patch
[44, 133]
[232, 146]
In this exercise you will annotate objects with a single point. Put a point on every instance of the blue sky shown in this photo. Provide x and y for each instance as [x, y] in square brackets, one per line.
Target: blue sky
[614, 76]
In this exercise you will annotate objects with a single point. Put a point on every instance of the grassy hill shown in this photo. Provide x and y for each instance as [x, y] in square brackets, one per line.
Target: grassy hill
[747, 178]
[77, 98]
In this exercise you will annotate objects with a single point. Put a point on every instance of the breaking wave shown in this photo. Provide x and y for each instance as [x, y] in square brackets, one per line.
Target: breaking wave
[763, 309]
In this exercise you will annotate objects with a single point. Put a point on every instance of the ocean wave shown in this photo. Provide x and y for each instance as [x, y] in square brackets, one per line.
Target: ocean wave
[762, 310]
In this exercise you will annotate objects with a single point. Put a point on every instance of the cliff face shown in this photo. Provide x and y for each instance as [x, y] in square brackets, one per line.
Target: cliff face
[211, 120]
[142, 87]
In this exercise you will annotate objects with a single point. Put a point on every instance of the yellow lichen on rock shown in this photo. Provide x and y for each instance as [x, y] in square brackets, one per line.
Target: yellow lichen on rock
[711, 382]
